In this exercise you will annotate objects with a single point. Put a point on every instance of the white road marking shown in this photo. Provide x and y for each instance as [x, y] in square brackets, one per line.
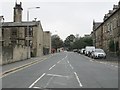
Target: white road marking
[112, 65]
[116, 66]
[67, 61]
[59, 61]
[78, 79]
[101, 62]
[52, 66]
[66, 56]
[71, 66]
[63, 58]
[36, 87]
[91, 60]
[55, 75]
[37, 80]
[48, 82]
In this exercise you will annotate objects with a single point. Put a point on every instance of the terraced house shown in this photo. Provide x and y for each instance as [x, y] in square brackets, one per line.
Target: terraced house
[106, 34]
[22, 40]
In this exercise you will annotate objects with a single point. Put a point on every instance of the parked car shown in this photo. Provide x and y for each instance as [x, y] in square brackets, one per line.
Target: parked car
[82, 51]
[98, 53]
[89, 50]
[75, 50]
[78, 51]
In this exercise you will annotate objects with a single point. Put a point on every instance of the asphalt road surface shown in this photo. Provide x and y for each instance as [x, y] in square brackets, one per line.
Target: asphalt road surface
[64, 70]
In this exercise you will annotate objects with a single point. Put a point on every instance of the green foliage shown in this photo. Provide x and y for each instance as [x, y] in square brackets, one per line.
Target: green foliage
[56, 42]
[68, 43]
[77, 42]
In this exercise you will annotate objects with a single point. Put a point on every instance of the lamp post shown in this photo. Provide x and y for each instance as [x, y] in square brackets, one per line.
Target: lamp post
[28, 11]
[28, 46]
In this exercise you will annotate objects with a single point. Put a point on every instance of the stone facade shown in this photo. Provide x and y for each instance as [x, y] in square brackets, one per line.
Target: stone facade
[47, 42]
[108, 30]
[22, 40]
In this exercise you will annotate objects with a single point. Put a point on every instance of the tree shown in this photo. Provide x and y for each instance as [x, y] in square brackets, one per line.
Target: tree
[77, 42]
[56, 42]
[68, 43]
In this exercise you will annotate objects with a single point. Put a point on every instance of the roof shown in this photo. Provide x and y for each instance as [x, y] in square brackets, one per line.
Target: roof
[20, 24]
[96, 25]
[112, 14]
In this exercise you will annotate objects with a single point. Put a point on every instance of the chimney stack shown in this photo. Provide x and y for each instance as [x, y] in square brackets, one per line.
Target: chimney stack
[18, 12]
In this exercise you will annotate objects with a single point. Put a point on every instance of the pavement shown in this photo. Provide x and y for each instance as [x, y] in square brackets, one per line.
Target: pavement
[61, 70]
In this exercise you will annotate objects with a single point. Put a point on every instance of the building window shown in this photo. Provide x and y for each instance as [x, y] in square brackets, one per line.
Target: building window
[14, 31]
[26, 32]
[2, 32]
[30, 31]
[108, 27]
[114, 23]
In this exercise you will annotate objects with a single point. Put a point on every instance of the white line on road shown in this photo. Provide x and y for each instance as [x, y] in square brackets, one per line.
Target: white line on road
[116, 66]
[37, 80]
[55, 75]
[52, 66]
[112, 65]
[36, 87]
[48, 82]
[71, 66]
[66, 56]
[63, 58]
[91, 60]
[68, 61]
[78, 79]
[59, 61]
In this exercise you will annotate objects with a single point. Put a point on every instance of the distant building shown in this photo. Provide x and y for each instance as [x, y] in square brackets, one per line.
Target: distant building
[87, 35]
[108, 30]
[47, 42]
[22, 40]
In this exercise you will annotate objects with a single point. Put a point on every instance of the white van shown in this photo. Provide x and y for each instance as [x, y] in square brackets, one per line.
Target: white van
[89, 50]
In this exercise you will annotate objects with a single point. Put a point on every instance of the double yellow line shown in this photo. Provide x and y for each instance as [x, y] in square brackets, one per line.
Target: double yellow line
[13, 70]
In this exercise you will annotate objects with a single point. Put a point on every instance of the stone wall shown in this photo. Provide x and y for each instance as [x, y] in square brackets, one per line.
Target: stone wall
[13, 54]
[19, 53]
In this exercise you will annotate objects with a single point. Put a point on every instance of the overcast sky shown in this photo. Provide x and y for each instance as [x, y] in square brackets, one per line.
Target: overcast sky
[62, 17]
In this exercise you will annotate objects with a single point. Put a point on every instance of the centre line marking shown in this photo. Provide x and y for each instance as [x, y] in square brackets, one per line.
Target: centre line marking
[71, 66]
[37, 80]
[78, 79]
[52, 66]
[59, 61]
[67, 61]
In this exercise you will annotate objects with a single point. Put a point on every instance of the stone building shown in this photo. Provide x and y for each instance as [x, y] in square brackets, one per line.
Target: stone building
[94, 33]
[47, 42]
[108, 30]
[22, 40]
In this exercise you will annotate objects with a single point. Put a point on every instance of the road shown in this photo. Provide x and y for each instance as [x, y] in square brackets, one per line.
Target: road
[64, 70]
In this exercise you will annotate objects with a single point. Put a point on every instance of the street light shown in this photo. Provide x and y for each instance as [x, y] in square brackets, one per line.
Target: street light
[28, 47]
[28, 11]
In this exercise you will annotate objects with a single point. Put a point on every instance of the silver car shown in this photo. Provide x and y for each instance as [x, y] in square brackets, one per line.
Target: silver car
[98, 53]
